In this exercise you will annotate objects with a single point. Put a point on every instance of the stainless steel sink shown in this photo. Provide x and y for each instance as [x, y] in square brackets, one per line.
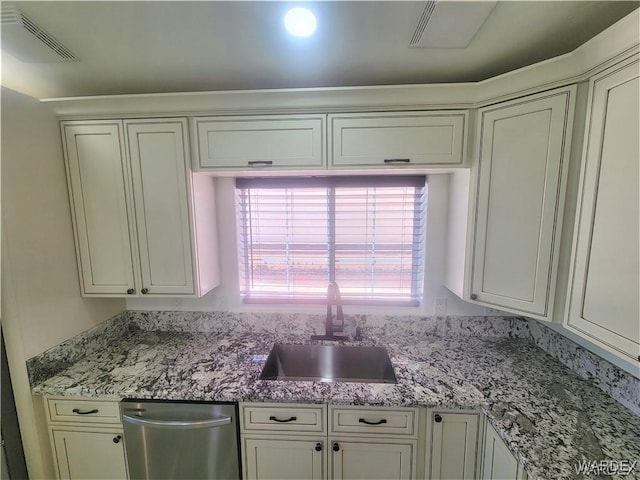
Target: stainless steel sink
[328, 363]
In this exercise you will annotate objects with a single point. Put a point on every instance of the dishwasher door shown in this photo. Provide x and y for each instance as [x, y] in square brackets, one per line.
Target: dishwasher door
[178, 440]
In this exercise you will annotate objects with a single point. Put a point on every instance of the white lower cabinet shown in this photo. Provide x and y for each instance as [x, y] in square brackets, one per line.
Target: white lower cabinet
[88, 453]
[367, 458]
[452, 445]
[348, 443]
[498, 462]
[86, 438]
[283, 458]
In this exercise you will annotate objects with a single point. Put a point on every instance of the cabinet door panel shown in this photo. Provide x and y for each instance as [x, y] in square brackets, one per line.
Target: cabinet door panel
[255, 142]
[414, 138]
[368, 460]
[159, 170]
[604, 302]
[519, 200]
[283, 459]
[99, 187]
[84, 455]
[454, 442]
[498, 463]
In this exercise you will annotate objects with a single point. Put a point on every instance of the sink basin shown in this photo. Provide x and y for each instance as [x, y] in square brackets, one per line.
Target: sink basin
[328, 363]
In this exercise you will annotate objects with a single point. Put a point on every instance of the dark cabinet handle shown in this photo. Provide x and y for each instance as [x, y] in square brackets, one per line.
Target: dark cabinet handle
[437, 418]
[117, 439]
[276, 419]
[474, 296]
[335, 447]
[379, 422]
[131, 291]
[397, 160]
[318, 447]
[260, 162]
[79, 412]
[145, 291]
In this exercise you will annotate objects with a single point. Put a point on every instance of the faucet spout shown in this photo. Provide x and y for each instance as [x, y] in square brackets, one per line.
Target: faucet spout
[333, 298]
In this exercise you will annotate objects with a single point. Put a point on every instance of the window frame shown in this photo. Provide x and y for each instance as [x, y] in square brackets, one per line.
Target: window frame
[332, 183]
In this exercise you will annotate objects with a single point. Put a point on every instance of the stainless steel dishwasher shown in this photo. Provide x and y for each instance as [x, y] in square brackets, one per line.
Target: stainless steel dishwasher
[178, 440]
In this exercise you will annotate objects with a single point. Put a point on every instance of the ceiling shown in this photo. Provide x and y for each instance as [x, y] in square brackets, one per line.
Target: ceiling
[181, 46]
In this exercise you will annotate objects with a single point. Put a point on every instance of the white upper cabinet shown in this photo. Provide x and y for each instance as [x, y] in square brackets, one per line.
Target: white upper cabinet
[400, 139]
[99, 188]
[603, 302]
[517, 189]
[137, 230]
[256, 143]
[159, 171]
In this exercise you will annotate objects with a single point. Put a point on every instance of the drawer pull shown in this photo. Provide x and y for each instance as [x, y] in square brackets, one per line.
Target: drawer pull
[379, 422]
[260, 162]
[89, 412]
[276, 419]
[117, 439]
[318, 447]
[335, 447]
[397, 160]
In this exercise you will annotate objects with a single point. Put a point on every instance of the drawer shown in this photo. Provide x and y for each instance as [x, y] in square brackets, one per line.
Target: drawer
[283, 418]
[373, 420]
[82, 411]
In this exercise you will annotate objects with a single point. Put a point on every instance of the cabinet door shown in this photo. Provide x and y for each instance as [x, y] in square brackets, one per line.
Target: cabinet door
[260, 142]
[159, 171]
[367, 459]
[523, 158]
[603, 301]
[283, 459]
[453, 445]
[498, 462]
[397, 139]
[85, 455]
[99, 189]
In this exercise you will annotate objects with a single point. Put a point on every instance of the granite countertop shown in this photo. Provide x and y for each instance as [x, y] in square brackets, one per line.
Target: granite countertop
[550, 418]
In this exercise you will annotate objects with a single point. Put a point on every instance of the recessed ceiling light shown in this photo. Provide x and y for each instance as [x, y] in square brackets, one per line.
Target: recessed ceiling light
[300, 22]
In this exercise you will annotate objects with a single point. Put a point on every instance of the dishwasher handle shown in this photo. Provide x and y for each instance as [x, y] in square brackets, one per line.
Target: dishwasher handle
[147, 422]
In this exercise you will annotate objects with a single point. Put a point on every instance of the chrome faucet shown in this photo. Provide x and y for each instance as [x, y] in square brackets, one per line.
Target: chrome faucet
[333, 298]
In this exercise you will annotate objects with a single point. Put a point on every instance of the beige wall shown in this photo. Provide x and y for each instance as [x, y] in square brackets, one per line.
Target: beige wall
[37, 226]
[41, 302]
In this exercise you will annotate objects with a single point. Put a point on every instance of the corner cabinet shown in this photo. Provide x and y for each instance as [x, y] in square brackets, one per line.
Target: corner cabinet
[453, 444]
[603, 303]
[498, 462]
[86, 439]
[137, 229]
[509, 232]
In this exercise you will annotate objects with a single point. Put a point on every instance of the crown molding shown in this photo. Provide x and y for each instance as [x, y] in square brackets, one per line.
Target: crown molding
[614, 44]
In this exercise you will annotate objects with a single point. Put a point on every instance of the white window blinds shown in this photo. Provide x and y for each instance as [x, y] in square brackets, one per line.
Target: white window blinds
[298, 234]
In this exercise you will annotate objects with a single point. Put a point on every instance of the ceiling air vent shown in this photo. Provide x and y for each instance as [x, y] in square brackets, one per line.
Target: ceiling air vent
[449, 23]
[25, 40]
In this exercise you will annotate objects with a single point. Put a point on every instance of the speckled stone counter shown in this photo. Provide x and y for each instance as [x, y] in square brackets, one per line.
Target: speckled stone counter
[550, 418]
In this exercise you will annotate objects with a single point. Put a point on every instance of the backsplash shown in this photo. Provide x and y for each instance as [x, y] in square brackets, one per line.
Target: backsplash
[371, 329]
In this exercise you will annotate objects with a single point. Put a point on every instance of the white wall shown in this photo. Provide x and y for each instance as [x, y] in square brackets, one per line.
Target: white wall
[227, 296]
[41, 302]
[37, 225]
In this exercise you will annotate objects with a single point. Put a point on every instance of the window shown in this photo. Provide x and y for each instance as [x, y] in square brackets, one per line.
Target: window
[298, 234]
